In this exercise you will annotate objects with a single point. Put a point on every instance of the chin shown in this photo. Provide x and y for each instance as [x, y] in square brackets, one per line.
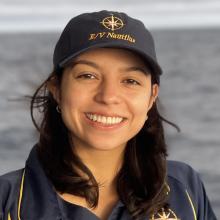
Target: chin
[107, 147]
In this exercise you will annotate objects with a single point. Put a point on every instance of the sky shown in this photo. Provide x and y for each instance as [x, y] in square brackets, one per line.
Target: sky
[48, 15]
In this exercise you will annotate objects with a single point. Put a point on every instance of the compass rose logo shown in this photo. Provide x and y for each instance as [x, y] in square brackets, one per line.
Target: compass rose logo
[165, 215]
[112, 23]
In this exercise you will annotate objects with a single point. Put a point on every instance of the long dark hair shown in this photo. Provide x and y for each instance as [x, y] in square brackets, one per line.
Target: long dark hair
[141, 182]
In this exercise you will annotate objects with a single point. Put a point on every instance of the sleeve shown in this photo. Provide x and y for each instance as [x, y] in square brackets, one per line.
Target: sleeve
[204, 210]
[4, 195]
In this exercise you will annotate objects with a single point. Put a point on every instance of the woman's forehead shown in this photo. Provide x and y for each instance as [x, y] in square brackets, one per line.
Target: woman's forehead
[117, 55]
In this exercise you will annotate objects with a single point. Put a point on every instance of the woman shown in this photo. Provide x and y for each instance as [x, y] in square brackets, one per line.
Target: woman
[101, 152]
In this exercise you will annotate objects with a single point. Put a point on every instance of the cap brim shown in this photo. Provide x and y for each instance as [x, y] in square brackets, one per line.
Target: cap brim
[149, 60]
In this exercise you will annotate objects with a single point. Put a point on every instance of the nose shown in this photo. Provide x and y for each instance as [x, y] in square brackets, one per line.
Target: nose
[108, 93]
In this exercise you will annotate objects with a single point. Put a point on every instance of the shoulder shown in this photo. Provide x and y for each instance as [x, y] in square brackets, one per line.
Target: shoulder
[8, 187]
[180, 171]
[10, 178]
[184, 180]
[183, 174]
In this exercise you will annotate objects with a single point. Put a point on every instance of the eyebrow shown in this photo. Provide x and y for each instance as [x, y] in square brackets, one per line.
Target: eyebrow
[86, 62]
[137, 68]
[145, 70]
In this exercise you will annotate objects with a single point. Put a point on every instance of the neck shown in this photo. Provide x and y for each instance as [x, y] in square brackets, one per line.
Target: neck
[104, 164]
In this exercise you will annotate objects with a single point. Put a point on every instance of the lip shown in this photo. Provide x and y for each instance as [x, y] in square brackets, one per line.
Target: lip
[106, 114]
[107, 127]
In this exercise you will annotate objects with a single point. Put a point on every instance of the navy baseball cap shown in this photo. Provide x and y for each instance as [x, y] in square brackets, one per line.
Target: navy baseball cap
[105, 29]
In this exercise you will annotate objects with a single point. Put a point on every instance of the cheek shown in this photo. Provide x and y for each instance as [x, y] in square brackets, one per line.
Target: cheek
[138, 110]
[68, 100]
[69, 97]
[69, 103]
[71, 109]
[140, 105]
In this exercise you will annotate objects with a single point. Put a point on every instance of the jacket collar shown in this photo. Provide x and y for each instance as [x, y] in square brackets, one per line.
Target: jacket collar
[39, 200]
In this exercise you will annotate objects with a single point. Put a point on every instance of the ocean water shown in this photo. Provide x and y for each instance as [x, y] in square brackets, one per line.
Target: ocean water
[189, 93]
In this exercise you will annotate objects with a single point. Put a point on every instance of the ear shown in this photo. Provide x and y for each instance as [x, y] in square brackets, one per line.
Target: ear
[154, 95]
[53, 87]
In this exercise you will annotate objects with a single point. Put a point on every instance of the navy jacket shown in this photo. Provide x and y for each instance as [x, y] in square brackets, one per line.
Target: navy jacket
[27, 194]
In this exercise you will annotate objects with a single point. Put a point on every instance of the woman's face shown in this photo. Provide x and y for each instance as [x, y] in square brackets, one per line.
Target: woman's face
[104, 98]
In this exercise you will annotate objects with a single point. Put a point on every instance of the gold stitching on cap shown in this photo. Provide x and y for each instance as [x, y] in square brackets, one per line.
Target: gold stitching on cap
[112, 23]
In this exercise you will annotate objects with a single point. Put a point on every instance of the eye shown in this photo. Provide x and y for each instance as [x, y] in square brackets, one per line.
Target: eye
[86, 76]
[132, 82]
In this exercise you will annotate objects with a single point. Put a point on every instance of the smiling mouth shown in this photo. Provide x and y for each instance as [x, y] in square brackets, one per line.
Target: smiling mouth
[106, 120]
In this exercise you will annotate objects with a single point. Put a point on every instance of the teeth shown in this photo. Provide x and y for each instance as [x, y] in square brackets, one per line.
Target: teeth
[104, 120]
